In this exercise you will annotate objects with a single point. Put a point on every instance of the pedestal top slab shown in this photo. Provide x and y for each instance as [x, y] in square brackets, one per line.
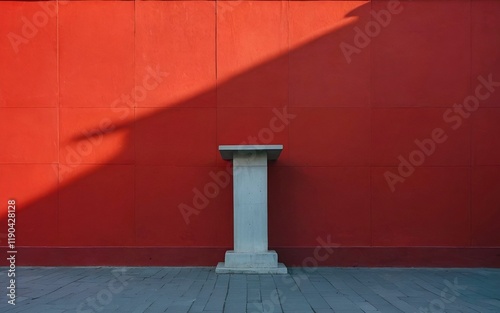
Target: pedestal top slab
[273, 151]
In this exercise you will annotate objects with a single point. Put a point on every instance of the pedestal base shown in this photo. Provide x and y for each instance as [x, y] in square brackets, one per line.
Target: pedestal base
[223, 269]
[251, 262]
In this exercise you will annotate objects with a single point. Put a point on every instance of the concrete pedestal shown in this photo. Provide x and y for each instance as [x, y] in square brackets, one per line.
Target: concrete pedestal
[250, 254]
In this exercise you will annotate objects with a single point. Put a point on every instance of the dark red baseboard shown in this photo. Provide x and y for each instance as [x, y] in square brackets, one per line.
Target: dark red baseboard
[291, 256]
[395, 257]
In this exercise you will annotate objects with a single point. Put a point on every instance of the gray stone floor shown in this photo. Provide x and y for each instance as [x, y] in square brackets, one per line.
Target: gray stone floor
[199, 289]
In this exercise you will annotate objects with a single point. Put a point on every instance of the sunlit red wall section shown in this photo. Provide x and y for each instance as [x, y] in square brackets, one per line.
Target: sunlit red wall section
[111, 113]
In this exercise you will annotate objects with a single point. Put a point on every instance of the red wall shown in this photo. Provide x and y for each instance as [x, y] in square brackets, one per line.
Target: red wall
[111, 113]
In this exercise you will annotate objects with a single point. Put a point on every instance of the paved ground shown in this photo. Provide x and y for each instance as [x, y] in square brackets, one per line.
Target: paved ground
[199, 289]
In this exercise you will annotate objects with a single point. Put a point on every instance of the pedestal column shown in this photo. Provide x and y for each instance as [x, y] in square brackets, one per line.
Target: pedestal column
[250, 254]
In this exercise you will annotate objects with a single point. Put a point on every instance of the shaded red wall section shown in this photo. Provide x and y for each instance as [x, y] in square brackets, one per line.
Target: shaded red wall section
[111, 113]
